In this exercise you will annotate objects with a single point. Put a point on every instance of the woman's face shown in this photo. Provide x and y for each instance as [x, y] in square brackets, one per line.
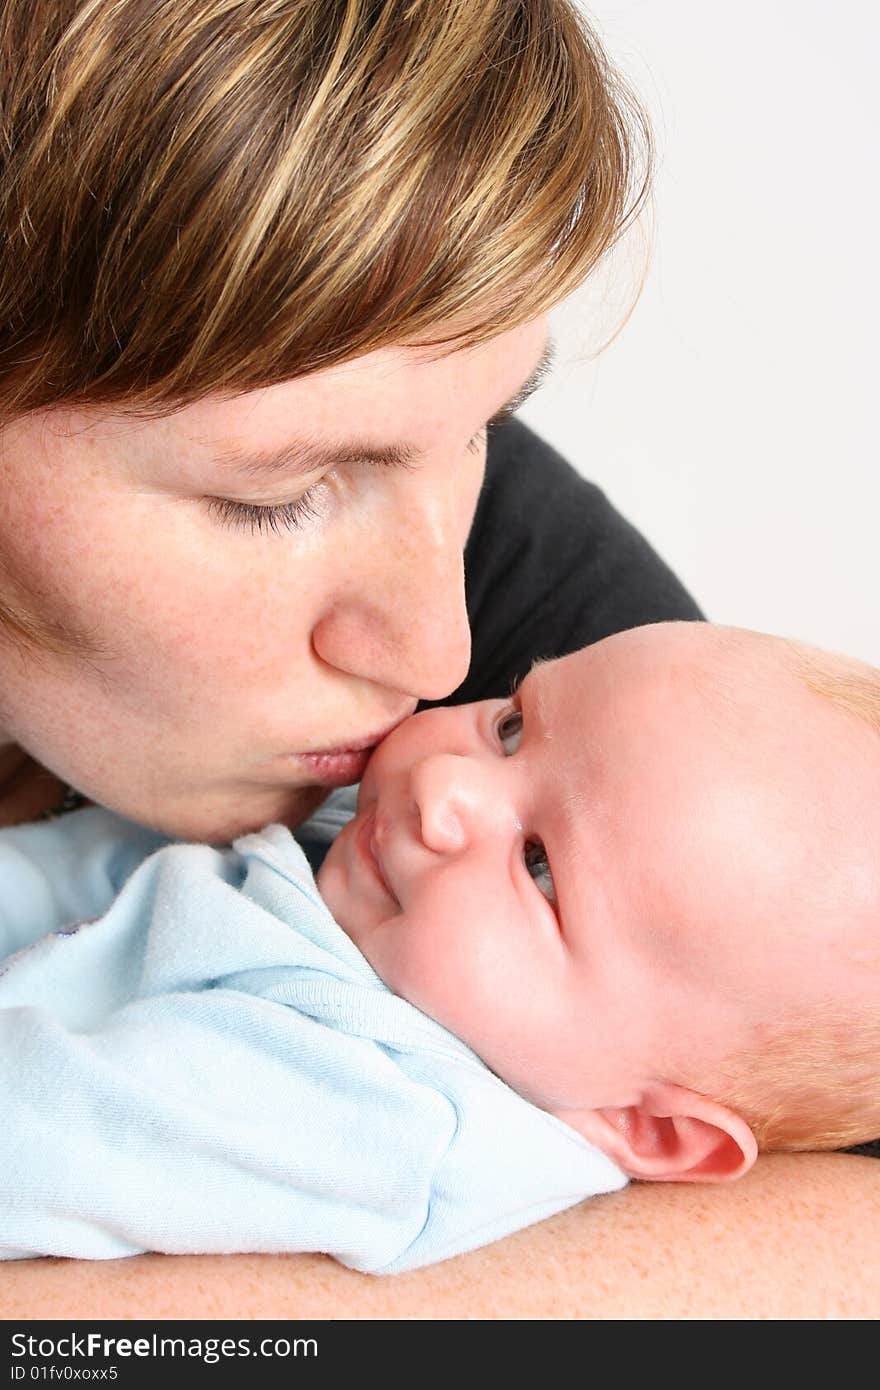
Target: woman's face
[216, 649]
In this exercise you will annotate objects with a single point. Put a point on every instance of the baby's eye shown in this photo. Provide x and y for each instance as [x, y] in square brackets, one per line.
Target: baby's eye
[509, 729]
[535, 857]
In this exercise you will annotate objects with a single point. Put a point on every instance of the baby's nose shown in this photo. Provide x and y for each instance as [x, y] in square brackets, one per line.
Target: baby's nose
[451, 797]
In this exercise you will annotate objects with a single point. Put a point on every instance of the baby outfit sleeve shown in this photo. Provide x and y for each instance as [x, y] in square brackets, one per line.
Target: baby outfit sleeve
[213, 1066]
[55, 873]
[154, 1097]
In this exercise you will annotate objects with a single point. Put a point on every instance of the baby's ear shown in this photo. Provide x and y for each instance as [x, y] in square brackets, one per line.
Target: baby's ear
[671, 1135]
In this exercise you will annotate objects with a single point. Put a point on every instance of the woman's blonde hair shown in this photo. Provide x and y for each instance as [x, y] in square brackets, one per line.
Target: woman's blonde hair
[206, 196]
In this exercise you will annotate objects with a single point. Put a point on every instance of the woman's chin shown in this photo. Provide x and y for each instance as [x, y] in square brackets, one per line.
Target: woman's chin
[221, 818]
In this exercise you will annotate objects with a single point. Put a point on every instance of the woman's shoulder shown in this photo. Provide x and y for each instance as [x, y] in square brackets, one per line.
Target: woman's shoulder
[551, 566]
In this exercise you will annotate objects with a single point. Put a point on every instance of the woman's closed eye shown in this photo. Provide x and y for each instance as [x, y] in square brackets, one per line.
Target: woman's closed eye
[265, 518]
[314, 505]
[258, 519]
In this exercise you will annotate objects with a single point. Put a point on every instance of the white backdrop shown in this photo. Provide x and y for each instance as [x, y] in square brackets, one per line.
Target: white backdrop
[733, 419]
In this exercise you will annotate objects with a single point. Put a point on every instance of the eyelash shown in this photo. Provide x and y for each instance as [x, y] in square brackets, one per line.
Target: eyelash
[288, 516]
[475, 444]
[292, 516]
[506, 413]
[534, 852]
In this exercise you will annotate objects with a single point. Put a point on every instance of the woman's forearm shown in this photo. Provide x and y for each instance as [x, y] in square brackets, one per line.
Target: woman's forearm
[796, 1238]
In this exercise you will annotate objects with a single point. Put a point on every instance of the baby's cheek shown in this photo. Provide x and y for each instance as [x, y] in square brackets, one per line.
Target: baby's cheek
[415, 965]
[331, 881]
[433, 979]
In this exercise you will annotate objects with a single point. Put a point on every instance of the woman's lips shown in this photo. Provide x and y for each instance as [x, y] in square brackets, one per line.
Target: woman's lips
[337, 767]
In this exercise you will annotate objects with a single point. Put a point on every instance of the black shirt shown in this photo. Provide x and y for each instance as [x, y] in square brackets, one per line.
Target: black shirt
[550, 566]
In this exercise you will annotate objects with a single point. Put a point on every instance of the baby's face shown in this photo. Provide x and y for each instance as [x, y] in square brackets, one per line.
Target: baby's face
[606, 875]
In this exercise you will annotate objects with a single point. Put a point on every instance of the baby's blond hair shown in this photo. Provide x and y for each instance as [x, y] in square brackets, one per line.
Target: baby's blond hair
[851, 685]
[808, 1083]
[814, 1082]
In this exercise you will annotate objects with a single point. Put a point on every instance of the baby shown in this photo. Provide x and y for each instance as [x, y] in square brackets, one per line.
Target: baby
[623, 924]
[649, 878]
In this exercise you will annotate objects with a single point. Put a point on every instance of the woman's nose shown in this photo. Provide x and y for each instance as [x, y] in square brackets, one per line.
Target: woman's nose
[455, 799]
[400, 619]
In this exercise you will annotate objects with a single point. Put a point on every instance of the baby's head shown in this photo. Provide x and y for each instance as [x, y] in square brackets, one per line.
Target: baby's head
[645, 890]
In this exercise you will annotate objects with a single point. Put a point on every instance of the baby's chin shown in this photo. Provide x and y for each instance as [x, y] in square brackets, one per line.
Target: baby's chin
[329, 871]
[332, 885]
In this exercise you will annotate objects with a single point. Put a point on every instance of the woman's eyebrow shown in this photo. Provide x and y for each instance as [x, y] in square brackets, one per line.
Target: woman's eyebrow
[309, 455]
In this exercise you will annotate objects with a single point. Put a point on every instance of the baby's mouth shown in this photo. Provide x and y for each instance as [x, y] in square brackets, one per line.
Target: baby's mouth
[374, 850]
[368, 849]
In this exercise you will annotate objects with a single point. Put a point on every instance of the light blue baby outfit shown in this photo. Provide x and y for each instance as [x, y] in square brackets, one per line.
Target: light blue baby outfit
[195, 1057]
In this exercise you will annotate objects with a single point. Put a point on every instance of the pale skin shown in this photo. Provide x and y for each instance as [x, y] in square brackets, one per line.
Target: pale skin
[606, 883]
[205, 664]
[216, 656]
